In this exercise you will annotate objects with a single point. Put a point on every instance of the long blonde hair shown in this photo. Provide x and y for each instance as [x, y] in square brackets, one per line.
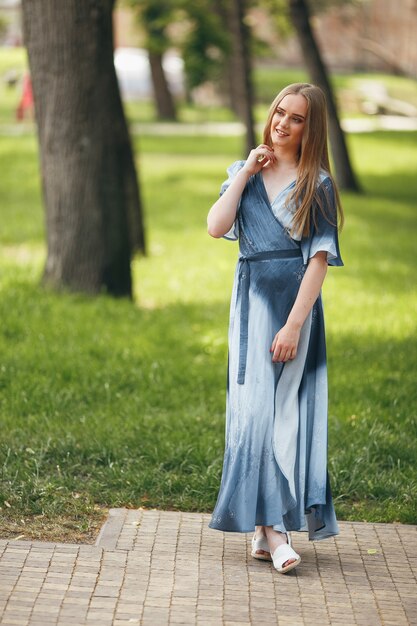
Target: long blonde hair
[312, 158]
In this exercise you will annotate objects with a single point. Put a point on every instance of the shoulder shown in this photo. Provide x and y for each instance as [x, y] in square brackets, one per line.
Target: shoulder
[325, 189]
[325, 200]
[234, 168]
[324, 181]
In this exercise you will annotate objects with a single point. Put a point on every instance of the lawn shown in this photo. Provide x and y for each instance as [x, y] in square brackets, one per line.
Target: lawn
[107, 403]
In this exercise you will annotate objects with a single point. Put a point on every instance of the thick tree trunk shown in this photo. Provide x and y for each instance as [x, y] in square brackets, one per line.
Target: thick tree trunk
[241, 87]
[300, 17]
[163, 98]
[93, 210]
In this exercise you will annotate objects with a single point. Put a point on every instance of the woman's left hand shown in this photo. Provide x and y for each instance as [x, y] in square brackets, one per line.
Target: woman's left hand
[285, 344]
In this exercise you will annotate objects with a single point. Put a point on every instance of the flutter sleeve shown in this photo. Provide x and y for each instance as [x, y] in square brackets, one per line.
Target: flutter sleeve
[233, 233]
[324, 234]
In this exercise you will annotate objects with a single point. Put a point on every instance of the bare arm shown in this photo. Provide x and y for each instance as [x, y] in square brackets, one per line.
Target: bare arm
[223, 212]
[285, 343]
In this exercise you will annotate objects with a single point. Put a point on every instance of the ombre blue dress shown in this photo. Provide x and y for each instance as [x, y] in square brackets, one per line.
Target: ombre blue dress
[275, 460]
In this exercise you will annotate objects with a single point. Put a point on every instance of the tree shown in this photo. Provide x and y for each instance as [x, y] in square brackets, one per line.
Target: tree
[206, 45]
[155, 17]
[240, 71]
[300, 17]
[90, 188]
[213, 52]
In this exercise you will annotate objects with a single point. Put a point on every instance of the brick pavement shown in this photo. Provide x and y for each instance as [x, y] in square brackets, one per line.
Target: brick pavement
[154, 568]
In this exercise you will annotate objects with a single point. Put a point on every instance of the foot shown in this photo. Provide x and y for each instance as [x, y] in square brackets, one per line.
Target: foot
[259, 534]
[276, 539]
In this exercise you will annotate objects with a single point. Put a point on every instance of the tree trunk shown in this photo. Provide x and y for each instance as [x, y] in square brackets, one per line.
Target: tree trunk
[163, 98]
[227, 82]
[300, 17]
[241, 88]
[91, 195]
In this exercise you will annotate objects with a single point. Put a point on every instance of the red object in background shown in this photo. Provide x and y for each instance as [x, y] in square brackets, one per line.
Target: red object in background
[25, 106]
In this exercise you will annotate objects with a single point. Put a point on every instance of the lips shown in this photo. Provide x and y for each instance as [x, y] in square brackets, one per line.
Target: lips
[281, 133]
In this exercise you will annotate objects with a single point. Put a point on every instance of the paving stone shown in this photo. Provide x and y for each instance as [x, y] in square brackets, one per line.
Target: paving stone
[164, 567]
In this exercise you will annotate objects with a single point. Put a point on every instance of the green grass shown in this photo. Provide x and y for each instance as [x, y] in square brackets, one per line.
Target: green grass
[106, 403]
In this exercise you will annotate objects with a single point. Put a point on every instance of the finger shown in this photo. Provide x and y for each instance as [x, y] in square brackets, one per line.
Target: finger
[263, 156]
[264, 152]
[275, 355]
[285, 354]
[278, 354]
[274, 343]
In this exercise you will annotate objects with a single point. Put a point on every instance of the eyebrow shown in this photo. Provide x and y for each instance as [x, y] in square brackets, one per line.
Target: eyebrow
[294, 114]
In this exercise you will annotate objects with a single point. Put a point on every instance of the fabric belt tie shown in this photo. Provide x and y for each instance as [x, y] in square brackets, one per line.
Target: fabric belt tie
[243, 291]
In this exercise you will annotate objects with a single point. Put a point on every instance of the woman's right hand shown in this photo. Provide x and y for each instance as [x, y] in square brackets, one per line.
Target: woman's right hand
[223, 212]
[258, 158]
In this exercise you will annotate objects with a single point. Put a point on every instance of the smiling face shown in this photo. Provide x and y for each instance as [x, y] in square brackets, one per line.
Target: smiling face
[288, 122]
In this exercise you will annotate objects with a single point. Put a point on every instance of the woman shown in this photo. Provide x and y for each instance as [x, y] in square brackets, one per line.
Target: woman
[283, 206]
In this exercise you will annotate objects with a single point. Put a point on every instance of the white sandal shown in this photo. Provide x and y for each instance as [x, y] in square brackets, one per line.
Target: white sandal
[284, 553]
[260, 543]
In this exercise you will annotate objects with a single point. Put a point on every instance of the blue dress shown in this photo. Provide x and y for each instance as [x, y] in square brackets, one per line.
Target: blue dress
[275, 460]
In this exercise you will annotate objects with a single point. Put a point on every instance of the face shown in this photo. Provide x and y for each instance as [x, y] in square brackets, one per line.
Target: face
[288, 122]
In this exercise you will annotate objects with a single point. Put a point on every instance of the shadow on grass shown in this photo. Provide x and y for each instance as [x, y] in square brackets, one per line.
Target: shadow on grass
[393, 186]
[103, 403]
[373, 427]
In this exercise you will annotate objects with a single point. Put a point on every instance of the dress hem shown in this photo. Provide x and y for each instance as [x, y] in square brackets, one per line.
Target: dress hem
[290, 530]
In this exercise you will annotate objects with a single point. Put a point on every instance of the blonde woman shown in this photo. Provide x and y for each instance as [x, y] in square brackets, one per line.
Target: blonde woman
[283, 206]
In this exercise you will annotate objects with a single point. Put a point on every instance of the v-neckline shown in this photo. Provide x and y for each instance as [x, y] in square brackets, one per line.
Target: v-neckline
[265, 193]
[262, 191]
[278, 194]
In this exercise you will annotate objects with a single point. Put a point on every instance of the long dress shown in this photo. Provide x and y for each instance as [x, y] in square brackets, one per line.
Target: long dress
[275, 461]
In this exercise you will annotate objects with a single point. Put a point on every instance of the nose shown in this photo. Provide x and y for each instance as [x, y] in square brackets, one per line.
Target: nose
[284, 121]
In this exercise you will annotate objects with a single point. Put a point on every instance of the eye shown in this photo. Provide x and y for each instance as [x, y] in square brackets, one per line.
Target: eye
[279, 112]
[297, 120]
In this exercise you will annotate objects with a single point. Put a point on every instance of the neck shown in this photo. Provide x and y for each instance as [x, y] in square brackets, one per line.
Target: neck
[285, 159]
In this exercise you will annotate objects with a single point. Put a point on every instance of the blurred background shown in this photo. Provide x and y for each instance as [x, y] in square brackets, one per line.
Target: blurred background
[113, 299]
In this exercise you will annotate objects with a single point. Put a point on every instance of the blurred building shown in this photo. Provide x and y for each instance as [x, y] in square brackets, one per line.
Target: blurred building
[371, 35]
[374, 35]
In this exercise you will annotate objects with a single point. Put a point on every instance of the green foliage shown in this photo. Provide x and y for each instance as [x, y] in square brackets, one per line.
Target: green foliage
[155, 18]
[279, 13]
[206, 45]
[204, 42]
